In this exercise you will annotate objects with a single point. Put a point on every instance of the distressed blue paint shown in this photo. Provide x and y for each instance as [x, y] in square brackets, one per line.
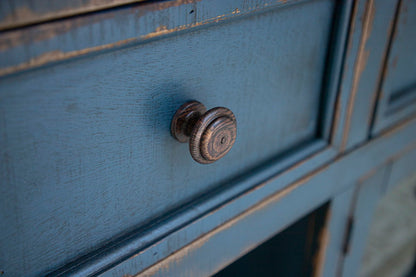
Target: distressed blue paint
[87, 145]
[260, 223]
[339, 216]
[364, 65]
[88, 165]
[397, 99]
[17, 13]
[93, 33]
[197, 218]
[367, 195]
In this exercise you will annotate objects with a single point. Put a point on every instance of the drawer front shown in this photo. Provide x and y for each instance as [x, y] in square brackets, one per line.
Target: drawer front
[86, 145]
[397, 99]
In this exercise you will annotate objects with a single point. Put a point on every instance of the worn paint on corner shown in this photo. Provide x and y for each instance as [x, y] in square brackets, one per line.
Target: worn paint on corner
[360, 64]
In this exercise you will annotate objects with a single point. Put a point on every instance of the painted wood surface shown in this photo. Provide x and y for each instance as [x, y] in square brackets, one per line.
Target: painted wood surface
[293, 252]
[18, 13]
[87, 151]
[82, 97]
[197, 218]
[337, 227]
[284, 206]
[369, 190]
[402, 168]
[369, 35]
[390, 248]
[397, 99]
[64, 39]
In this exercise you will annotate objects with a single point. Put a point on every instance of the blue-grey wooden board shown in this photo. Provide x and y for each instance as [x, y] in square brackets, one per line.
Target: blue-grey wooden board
[67, 38]
[370, 189]
[216, 249]
[397, 99]
[369, 35]
[86, 149]
[337, 225]
[402, 168]
[18, 13]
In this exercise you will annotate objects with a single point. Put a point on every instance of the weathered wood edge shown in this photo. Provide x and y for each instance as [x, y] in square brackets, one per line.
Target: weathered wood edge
[290, 166]
[338, 221]
[60, 40]
[367, 193]
[22, 14]
[383, 72]
[330, 180]
[359, 63]
[370, 189]
[333, 70]
[387, 114]
[323, 236]
[360, 72]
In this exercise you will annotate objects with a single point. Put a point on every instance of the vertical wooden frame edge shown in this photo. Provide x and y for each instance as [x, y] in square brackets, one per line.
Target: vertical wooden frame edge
[335, 60]
[368, 191]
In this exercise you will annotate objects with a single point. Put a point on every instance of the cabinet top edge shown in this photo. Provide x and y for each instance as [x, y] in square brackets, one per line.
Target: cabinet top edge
[54, 41]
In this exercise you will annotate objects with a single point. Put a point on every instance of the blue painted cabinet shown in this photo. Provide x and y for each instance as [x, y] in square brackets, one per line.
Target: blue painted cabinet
[92, 181]
[397, 96]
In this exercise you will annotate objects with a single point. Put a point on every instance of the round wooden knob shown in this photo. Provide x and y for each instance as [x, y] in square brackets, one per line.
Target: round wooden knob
[211, 134]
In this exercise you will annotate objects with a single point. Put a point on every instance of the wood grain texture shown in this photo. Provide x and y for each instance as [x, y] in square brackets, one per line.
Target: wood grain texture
[367, 44]
[18, 13]
[284, 207]
[86, 147]
[87, 162]
[198, 217]
[136, 253]
[397, 98]
[367, 194]
[337, 226]
[64, 39]
[291, 252]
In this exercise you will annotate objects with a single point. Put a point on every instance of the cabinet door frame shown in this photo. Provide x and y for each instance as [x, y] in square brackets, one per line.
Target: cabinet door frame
[46, 44]
[285, 190]
[336, 182]
[395, 104]
[371, 27]
[367, 192]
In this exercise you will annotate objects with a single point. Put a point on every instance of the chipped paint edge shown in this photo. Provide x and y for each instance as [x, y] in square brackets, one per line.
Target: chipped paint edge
[359, 67]
[160, 31]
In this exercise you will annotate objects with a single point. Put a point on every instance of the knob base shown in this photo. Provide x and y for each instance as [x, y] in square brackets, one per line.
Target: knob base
[184, 120]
